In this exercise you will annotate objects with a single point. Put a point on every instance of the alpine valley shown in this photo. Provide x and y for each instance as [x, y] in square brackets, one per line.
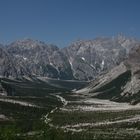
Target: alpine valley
[89, 90]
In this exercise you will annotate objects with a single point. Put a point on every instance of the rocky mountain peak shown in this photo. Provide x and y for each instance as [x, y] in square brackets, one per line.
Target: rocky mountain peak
[27, 43]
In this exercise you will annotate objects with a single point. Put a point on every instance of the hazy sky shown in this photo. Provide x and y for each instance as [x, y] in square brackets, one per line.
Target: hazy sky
[63, 21]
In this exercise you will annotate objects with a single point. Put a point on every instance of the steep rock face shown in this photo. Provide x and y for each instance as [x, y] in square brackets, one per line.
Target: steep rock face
[89, 59]
[7, 67]
[33, 57]
[132, 88]
[121, 84]
[108, 82]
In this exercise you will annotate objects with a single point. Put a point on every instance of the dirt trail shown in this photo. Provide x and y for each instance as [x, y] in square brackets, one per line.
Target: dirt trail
[64, 102]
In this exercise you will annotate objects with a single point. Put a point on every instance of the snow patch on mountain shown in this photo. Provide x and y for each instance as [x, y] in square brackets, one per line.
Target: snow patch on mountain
[83, 58]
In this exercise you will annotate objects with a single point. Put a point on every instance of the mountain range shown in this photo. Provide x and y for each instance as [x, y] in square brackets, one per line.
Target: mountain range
[82, 60]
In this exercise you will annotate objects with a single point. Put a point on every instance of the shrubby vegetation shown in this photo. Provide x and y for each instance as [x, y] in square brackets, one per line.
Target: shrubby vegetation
[27, 123]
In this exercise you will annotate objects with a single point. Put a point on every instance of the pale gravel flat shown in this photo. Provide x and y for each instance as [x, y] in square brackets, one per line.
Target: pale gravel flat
[79, 125]
[18, 102]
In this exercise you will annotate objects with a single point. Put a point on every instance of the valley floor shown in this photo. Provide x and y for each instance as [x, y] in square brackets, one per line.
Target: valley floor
[96, 118]
[67, 116]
